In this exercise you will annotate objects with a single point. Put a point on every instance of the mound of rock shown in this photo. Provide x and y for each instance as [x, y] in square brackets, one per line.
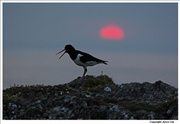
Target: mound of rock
[92, 97]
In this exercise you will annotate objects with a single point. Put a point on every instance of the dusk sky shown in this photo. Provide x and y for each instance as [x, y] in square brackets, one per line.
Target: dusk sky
[34, 32]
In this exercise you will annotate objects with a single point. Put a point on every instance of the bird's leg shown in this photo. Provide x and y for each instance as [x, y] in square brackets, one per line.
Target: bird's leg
[85, 70]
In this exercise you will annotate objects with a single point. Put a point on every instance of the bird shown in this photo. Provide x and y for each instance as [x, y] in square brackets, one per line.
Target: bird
[81, 58]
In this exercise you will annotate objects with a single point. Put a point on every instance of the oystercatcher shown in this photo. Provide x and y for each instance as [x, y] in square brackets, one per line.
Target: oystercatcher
[81, 58]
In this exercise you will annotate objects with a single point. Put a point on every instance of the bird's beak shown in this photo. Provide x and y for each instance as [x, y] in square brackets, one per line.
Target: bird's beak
[60, 52]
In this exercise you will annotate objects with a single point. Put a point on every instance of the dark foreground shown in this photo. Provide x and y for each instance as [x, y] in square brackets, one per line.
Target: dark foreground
[92, 98]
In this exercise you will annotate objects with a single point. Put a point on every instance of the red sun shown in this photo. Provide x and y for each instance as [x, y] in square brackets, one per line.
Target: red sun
[111, 32]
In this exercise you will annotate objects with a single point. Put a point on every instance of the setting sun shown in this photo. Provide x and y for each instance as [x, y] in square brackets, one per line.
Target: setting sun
[112, 32]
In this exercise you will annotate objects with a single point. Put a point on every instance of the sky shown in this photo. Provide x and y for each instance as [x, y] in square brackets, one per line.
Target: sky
[34, 32]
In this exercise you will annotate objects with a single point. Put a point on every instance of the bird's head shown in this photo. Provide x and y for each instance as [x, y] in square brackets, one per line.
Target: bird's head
[67, 49]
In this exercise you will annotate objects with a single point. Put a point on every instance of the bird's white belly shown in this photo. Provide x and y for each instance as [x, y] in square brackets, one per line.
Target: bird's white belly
[78, 62]
[89, 63]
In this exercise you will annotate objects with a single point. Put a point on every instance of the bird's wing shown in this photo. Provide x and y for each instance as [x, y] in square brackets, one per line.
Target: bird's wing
[87, 57]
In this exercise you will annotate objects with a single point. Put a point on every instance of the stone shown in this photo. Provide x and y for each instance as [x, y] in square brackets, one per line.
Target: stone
[107, 89]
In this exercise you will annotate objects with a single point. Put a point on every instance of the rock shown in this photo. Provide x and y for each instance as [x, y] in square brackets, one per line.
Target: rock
[12, 105]
[131, 118]
[92, 97]
[107, 89]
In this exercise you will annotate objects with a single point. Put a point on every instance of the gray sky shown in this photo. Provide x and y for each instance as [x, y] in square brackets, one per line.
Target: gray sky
[34, 32]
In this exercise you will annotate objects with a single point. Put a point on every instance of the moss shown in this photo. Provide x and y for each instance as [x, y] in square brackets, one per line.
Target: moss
[94, 83]
[26, 89]
[9, 98]
[14, 93]
[163, 106]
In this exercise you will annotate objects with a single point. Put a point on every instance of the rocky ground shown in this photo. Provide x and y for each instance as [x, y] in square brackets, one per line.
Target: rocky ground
[92, 98]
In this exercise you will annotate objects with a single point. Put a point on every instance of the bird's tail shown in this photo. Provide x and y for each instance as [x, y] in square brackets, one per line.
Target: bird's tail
[105, 62]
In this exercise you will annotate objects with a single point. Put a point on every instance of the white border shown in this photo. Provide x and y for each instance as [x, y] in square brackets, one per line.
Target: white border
[87, 1]
[1, 63]
[71, 121]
